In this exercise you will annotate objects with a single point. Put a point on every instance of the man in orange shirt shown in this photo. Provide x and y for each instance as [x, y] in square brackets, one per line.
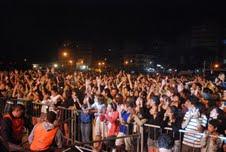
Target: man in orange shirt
[45, 135]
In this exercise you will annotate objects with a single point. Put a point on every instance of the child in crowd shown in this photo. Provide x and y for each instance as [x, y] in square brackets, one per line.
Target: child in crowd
[210, 142]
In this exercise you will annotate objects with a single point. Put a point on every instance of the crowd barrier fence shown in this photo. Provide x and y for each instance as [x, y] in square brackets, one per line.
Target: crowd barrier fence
[70, 116]
[80, 147]
[181, 131]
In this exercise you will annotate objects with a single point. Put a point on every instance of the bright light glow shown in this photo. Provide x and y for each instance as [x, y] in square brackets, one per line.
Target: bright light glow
[216, 65]
[101, 63]
[150, 69]
[83, 67]
[126, 62]
[65, 54]
[131, 61]
[55, 65]
[70, 61]
[35, 65]
[150, 62]
[82, 61]
[158, 65]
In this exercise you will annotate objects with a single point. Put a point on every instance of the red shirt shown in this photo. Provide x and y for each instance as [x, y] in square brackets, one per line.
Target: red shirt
[114, 124]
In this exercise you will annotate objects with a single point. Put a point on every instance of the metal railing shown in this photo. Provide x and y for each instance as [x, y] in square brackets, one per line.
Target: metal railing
[70, 116]
[180, 133]
[80, 145]
[33, 109]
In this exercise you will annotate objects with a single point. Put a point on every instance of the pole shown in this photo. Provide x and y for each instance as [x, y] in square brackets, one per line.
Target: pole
[142, 138]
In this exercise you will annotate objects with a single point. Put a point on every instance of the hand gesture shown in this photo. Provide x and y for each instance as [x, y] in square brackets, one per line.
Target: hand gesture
[123, 79]
[98, 80]
[88, 82]
[214, 137]
[128, 76]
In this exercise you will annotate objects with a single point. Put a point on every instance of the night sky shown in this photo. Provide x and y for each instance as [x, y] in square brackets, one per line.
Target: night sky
[36, 29]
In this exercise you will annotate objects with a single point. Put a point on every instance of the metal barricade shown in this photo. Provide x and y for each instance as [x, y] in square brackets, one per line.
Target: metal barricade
[69, 117]
[181, 131]
[153, 133]
[79, 146]
[9, 103]
[66, 116]
[36, 109]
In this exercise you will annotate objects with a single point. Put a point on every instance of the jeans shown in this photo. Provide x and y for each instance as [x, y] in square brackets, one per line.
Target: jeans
[86, 131]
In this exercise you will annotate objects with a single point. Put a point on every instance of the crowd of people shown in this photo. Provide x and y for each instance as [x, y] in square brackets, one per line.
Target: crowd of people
[115, 105]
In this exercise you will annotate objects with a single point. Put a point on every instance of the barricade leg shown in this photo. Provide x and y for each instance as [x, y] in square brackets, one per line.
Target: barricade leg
[180, 138]
[141, 139]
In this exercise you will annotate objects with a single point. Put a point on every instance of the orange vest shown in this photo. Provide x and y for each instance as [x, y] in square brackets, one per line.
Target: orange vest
[17, 126]
[43, 139]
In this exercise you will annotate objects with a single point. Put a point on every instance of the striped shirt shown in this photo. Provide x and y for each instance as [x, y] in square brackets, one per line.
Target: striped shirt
[196, 121]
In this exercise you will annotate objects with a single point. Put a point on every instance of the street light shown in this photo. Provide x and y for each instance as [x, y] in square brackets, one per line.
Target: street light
[65, 54]
[101, 64]
[35, 65]
[216, 66]
[70, 61]
[126, 62]
[55, 65]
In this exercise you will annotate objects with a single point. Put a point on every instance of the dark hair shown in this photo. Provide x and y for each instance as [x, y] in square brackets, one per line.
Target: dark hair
[207, 90]
[54, 88]
[143, 94]
[201, 107]
[198, 84]
[119, 98]
[194, 100]
[156, 100]
[107, 91]
[18, 106]
[186, 93]
[68, 93]
[113, 106]
[46, 91]
[130, 102]
[51, 116]
[101, 98]
[214, 122]
[165, 141]
[174, 110]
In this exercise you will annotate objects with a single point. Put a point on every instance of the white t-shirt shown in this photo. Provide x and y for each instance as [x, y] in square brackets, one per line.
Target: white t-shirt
[45, 106]
[53, 101]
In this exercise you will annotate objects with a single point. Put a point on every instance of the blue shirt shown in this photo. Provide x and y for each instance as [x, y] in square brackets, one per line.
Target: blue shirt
[125, 116]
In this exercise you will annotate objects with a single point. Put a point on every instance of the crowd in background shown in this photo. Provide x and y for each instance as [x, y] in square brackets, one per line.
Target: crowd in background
[115, 105]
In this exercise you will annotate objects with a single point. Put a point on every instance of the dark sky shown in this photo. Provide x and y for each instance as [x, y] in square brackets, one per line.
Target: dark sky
[34, 29]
